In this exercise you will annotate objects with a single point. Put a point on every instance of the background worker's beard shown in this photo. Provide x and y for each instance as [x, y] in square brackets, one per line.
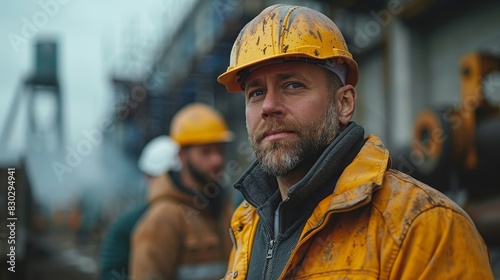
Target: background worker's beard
[281, 157]
[199, 176]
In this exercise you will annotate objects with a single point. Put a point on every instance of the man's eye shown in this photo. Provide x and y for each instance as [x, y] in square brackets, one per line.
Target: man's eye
[293, 85]
[255, 93]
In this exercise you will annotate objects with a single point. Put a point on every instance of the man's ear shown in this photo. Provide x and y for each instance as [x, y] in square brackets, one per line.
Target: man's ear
[345, 100]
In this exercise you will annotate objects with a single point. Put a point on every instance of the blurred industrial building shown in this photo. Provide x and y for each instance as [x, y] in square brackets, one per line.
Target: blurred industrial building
[429, 87]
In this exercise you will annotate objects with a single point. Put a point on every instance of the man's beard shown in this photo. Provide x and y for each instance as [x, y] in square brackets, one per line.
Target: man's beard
[279, 158]
[201, 177]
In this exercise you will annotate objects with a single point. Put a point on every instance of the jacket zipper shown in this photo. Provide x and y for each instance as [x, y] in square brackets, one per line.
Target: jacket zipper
[270, 250]
[308, 234]
[269, 259]
[270, 253]
[273, 243]
[316, 229]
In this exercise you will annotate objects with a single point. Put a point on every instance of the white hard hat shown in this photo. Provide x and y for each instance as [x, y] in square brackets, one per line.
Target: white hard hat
[159, 156]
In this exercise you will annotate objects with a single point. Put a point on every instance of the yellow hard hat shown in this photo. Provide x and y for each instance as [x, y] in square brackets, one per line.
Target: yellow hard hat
[198, 124]
[284, 31]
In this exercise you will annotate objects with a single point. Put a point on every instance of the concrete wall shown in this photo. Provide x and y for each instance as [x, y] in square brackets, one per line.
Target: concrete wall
[411, 69]
[477, 30]
[371, 108]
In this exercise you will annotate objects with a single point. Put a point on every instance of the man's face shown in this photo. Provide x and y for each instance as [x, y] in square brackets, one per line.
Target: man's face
[204, 162]
[291, 115]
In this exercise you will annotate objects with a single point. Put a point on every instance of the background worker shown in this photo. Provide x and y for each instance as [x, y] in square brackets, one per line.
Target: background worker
[184, 234]
[322, 201]
[158, 157]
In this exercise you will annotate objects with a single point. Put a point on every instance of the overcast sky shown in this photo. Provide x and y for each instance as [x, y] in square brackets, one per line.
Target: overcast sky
[94, 40]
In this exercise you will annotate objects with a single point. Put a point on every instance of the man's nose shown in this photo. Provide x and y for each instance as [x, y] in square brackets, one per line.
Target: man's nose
[216, 159]
[272, 105]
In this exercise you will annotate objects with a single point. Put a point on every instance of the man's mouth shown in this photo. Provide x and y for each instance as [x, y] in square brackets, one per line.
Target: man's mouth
[277, 135]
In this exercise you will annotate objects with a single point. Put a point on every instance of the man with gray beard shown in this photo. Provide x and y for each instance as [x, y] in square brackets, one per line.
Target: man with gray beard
[321, 201]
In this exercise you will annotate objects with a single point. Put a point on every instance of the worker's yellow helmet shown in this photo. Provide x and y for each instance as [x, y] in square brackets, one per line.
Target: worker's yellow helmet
[284, 31]
[197, 124]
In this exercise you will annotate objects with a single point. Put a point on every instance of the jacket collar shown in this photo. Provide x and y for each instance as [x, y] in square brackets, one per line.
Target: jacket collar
[170, 186]
[260, 188]
[363, 176]
[356, 185]
[164, 187]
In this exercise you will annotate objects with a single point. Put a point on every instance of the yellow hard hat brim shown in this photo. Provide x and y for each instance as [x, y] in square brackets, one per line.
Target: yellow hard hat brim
[232, 80]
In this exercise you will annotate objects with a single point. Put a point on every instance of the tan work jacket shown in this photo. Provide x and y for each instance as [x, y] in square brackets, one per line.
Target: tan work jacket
[177, 238]
[377, 224]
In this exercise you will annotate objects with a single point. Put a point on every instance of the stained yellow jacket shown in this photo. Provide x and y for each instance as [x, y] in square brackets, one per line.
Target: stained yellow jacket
[377, 224]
